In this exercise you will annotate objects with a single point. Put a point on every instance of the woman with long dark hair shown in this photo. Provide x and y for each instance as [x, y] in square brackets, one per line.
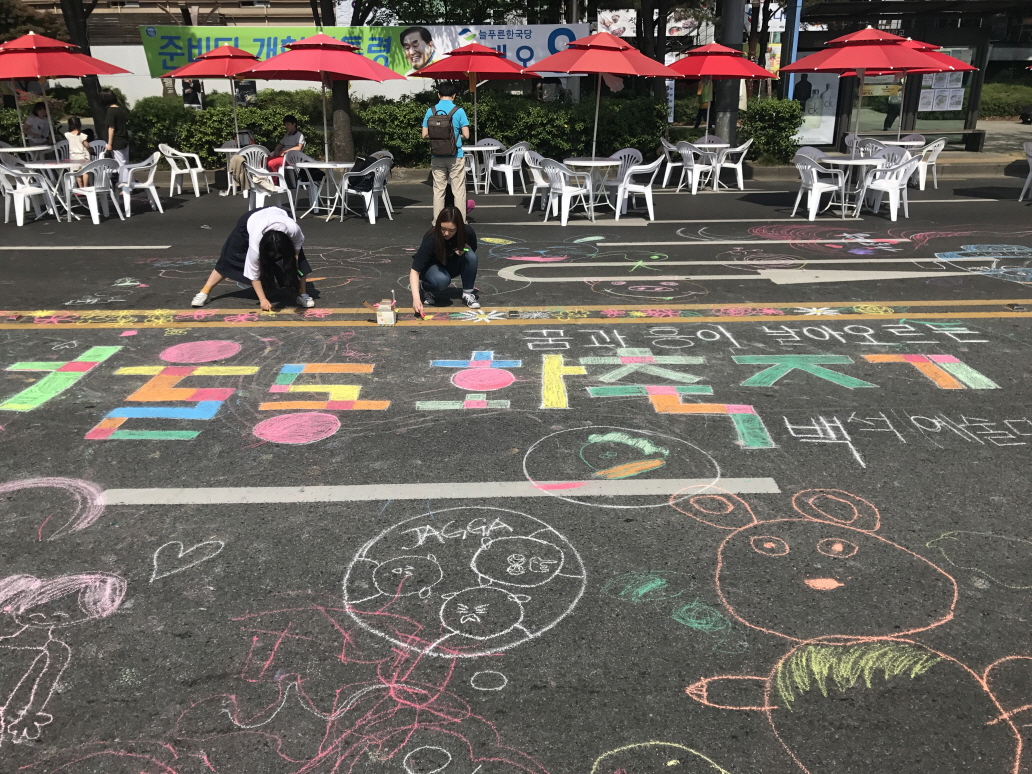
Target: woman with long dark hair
[264, 251]
[448, 250]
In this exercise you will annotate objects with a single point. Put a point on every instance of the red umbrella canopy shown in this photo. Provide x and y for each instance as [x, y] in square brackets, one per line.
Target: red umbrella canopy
[37, 56]
[718, 63]
[221, 62]
[850, 57]
[602, 53]
[917, 45]
[309, 59]
[483, 62]
[865, 36]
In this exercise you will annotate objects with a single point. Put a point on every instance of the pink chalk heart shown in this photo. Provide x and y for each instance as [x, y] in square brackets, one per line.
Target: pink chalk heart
[297, 428]
[200, 351]
[483, 379]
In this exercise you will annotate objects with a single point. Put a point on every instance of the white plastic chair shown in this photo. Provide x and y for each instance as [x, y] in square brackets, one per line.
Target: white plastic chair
[148, 167]
[191, 166]
[98, 147]
[255, 155]
[628, 158]
[732, 158]
[22, 189]
[692, 168]
[851, 141]
[1028, 180]
[101, 190]
[913, 138]
[891, 180]
[892, 154]
[867, 147]
[707, 139]
[810, 174]
[301, 179]
[61, 150]
[627, 187]
[537, 177]
[263, 184]
[512, 163]
[811, 153]
[378, 170]
[563, 185]
[483, 175]
[673, 159]
[927, 158]
[384, 154]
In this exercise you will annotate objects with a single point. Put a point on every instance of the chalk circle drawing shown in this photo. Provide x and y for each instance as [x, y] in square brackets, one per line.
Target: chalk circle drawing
[298, 428]
[648, 586]
[653, 758]
[1003, 560]
[200, 351]
[88, 502]
[173, 557]
[34, 658]
[564, 461]
[426, 760]
[489, 680]
[483, 379]
[848, 601]
[496, 578]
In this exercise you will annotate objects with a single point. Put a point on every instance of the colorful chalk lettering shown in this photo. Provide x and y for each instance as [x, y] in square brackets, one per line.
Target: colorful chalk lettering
[62, 375]
[481, 373]
[781, 365]
[634, 360]
[553, 383]
[945, 371]
[340, 397]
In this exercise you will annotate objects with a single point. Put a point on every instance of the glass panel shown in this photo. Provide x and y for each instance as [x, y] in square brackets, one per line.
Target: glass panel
[944, 97]
[879, 111]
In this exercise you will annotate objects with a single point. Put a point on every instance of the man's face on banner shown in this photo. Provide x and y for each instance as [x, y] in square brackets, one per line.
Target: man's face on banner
[418, 51]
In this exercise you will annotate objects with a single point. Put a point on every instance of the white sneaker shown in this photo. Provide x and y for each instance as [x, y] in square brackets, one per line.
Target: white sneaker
[306, 301]
[199, 300]
[470, 300]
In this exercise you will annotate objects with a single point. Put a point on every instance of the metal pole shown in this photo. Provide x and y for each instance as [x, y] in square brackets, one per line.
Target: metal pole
[598, 97]
[236, 126]
[795, 11]
[21, 128]
[859, 101]
[902, 98]
[50, 121]
[707, 81]
[326, 133]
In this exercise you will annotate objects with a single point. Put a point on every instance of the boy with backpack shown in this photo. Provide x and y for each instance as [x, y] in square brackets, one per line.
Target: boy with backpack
[445, 125]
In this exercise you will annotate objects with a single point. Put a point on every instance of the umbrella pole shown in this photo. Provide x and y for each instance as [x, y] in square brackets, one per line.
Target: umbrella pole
[902, 97]
[709, 105]
[476, 115]
[236, 125]
[326, 134]
[17, 110]
[598, 97]
[50, 121]
[859, 101]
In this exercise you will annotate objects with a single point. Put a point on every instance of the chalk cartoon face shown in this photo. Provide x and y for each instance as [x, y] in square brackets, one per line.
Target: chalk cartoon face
[617, 455]
[405, 575]
[654, 290]
[482, 613]
[825, 574]
[517, 561]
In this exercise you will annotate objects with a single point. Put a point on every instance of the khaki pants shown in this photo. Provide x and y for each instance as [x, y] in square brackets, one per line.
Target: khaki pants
[448, 170]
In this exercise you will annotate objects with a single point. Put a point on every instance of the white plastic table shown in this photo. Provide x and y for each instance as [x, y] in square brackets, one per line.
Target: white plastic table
[230, 150]
[903, 143]
[714, 148]
[65, 182]
[327, 167]
[600, 168]
[850, 164]
[28, 149]
[482, 166]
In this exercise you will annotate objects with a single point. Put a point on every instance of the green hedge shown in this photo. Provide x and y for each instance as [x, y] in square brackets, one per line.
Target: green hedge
[74, 99]
[1001, 100]
[771, 123]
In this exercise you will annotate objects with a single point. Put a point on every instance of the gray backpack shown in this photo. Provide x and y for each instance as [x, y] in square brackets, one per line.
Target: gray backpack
[441, 133]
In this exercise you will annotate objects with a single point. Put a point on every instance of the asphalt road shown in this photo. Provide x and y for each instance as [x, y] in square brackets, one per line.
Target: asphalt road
[728, 492]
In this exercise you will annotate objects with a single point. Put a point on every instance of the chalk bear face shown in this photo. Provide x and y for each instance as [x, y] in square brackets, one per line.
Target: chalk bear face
[483, 612]
[405, 575]
[825, 575]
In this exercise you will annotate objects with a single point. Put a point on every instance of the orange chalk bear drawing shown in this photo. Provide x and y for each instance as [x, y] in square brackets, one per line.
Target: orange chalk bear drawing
[856, 693]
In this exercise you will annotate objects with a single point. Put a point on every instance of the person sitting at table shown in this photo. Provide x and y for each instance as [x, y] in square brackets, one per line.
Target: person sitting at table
[38, 130]
[264, 251]
[78, 146]
[292, 140]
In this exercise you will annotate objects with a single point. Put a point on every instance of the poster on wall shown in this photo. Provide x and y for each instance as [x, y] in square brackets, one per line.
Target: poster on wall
[956, 80]
[925, 103]
[941, 99]
[622, 24]
[405, 50]
[818, 94]
[956, 99]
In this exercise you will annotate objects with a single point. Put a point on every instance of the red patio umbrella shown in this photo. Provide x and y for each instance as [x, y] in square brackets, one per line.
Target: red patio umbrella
[222, 62]
[475, 62]
[321, 58]
[858, 52]
[36, 56]
[601, 54]
[718, 63]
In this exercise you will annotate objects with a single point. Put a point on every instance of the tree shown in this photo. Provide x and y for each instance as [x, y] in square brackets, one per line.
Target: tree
[17, 19]
[75, 16]
[453, 11]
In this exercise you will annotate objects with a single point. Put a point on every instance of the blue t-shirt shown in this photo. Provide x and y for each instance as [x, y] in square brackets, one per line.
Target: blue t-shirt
[458, 120]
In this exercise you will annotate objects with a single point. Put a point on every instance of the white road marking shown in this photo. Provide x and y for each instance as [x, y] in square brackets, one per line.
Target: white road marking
[459, 491]
[580, 223]
[687, 242]
[800, 276]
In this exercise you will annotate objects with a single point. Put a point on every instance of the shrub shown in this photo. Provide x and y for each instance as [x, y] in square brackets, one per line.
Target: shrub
[622, 123]
[75, 99]
[398, 128]
[9, 127]
[511, 119]
[1001, 100]
[155, 120]
[771, 123]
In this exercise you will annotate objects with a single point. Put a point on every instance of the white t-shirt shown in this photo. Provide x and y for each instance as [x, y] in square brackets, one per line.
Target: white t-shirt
[78, 147]
[38, 129]
[268, 219]
[292, 140]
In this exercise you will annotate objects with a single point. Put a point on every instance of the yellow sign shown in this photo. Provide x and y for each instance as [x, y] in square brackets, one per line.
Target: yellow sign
[881, 89]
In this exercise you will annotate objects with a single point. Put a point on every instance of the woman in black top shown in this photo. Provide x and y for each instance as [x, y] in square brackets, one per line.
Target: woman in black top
[448, 250]
[116, 119]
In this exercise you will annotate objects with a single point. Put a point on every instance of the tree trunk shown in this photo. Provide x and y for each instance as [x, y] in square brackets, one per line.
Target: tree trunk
[663, 19]
[75, 16]
[343, 146]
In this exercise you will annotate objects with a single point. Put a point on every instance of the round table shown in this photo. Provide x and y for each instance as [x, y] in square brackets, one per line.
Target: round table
[482, 166]
[850, 164]
[28, 149]
[714, 148]
[65, 182]
[230, 151]
[599, 168]
[324, 195]
[903, 143]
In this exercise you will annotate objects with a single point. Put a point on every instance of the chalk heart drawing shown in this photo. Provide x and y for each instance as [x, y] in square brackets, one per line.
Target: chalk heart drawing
[174, 557]
[464, 582]
[88, 498]
[848, 602]
[562, 462]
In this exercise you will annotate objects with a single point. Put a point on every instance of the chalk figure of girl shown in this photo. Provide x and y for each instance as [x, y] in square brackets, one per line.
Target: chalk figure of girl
[34, 657]
[265, 252]
[448, 250]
